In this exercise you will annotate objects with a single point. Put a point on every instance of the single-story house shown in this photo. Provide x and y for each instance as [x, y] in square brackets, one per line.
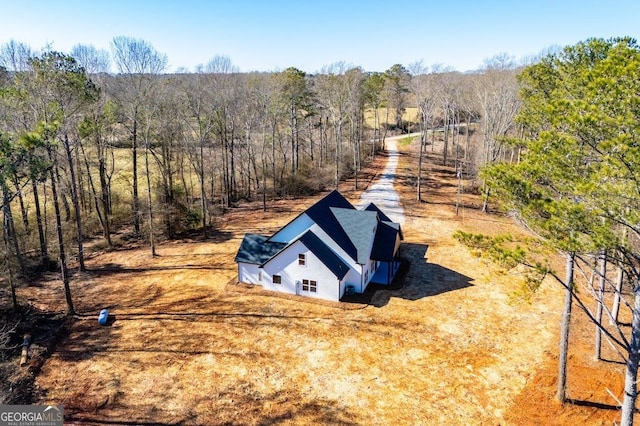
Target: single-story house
[328, 250]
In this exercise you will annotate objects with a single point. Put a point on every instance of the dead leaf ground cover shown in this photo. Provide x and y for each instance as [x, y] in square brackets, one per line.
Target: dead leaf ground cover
[451, 346]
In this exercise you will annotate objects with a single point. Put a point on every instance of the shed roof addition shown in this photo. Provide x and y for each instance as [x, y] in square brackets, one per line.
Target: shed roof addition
[385, 241]
[257, 249]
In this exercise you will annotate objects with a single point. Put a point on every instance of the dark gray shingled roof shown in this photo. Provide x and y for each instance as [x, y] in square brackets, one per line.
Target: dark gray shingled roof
[325, 254]
[350, 228]
[373, 208]
[384, 218]
[358, 225]
[257, 250]
[385, 241]
[321, 214]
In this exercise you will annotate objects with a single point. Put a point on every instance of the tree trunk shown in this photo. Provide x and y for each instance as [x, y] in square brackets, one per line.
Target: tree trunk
[631, 372]
[603, 272]
[134, 155]
[150, 209]
[7, 249]
[293, 138]
[76, 203]
[485, 199]
[459, 189]
[355, 163]
[101, 217]
[376, 131]
[23, 210]
[615, 309]
[203, 193]
[65, 203]
[63, 258]
[44, 256]
[273, 154]
[561, 393]
[11, 229]
[338, 141]
[423, 136]
[445, 146]
[467, 138]
[82, 191]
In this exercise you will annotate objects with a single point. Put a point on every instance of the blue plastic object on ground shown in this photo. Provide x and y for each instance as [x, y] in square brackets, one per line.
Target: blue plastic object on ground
[102, 318]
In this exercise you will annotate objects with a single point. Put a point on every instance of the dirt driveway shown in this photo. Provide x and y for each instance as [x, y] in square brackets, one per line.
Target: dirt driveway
[450, 347]
[382, 192]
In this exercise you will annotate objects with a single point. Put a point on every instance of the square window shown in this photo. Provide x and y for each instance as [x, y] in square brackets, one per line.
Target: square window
[310, 285]
[302, 259]
[277, 279]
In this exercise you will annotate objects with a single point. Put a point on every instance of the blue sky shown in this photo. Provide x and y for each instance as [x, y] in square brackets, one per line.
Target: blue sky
[275, 34]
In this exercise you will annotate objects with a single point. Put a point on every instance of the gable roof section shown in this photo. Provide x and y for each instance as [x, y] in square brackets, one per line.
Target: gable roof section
[384, 218]
[359, 226]
[373, 208]
[325, 254]
[321, 214]
[385, 241]
[256, 249]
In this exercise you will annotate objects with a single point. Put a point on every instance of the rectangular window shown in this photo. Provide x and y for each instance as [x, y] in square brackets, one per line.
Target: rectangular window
[260, 276]
[310, 285]
[366, 277]
[302, 259]
[277, 279]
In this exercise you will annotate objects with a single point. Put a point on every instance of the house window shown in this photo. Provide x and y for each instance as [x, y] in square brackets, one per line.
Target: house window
[277, 279]
[260, 276]
[302, 259]
[366, 276]
[310, 285]
[373, 265]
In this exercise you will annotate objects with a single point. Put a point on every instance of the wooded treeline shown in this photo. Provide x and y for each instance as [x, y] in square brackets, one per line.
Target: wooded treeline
[88, 152]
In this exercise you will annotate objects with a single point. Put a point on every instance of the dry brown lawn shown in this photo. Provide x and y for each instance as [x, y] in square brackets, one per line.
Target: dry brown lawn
[452, 346]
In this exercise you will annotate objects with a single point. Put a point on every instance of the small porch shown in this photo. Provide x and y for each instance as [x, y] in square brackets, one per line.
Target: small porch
[386, 272]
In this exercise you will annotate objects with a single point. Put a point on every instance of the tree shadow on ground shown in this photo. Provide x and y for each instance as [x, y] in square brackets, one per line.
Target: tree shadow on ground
[242, 404]
[197, 235]
[415, 280]
[114, 268]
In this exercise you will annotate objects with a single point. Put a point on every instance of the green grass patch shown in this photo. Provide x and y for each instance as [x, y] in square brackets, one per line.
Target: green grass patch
[405, 142]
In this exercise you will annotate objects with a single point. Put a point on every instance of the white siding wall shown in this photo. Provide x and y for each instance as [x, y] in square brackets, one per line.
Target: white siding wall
[249, 273]
[286, 265]
[293, 230]
[353, 278]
